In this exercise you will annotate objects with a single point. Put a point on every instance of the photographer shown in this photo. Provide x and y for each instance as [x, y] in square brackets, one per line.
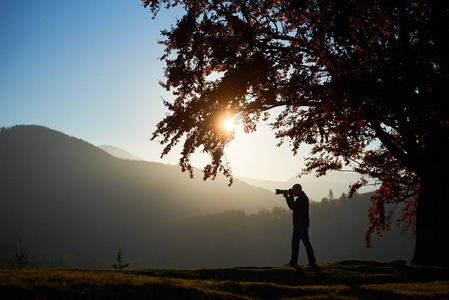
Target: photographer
[300, 208]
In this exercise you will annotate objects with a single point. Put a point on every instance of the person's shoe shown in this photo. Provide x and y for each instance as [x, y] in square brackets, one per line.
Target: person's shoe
[312, 264]
[291, 265]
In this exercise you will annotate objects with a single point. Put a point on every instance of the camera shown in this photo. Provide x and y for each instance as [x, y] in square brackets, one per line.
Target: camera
[284, 192]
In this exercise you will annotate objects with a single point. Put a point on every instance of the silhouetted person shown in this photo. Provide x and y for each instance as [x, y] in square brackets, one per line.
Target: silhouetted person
[300, 208]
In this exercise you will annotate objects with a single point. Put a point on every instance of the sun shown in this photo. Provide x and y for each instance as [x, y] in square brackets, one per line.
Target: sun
[229, 125]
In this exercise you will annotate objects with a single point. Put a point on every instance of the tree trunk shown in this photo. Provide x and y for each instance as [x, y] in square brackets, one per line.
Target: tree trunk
[432, 218]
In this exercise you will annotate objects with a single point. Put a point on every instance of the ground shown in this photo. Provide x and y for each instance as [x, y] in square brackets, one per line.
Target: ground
[341, 280]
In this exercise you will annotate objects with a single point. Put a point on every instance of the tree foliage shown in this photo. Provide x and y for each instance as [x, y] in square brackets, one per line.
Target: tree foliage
[364, 82]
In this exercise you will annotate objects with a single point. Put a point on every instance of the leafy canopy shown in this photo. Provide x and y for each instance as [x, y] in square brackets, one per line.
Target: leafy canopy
[364, 82]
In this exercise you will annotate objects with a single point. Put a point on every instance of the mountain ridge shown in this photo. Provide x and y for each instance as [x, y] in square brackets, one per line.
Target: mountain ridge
[51, 182]
[76, 205]
[119, 152]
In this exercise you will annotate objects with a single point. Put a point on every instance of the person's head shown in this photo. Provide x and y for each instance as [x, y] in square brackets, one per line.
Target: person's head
[297, 189]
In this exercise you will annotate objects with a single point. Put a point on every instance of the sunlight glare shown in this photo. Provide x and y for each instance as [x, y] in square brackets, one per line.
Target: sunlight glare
[229, 125]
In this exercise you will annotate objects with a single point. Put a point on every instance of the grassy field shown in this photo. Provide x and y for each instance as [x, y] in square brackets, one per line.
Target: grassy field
[343, 280]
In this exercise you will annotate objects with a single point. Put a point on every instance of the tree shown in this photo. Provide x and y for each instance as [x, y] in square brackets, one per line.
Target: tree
[331, 195]
[20, 260]
[364, 82]
[119, 258]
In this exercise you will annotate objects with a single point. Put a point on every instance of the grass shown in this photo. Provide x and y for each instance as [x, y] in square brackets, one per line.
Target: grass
[343, 280]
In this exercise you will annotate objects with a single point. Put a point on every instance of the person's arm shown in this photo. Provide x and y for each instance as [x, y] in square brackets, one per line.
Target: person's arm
[290, 201]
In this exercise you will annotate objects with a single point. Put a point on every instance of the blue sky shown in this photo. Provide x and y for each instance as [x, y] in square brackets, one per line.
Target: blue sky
[87, 68]
[90, 69]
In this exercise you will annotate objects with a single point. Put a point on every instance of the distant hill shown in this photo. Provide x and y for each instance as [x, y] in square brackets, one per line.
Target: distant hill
[61, 194]
[75, 205]
[118, 152]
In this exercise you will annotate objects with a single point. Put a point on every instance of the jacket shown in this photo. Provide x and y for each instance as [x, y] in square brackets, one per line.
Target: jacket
[300, 208]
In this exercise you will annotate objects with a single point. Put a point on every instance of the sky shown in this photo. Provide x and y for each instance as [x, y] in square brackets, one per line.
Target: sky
[90, 69]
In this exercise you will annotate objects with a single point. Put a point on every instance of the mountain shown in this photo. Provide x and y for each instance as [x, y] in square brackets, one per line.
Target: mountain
[118, 152]
[59, 190]
[75, 205]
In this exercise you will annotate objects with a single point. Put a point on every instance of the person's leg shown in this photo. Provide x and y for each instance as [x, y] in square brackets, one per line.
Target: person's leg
[304, 235]
[295, 247]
